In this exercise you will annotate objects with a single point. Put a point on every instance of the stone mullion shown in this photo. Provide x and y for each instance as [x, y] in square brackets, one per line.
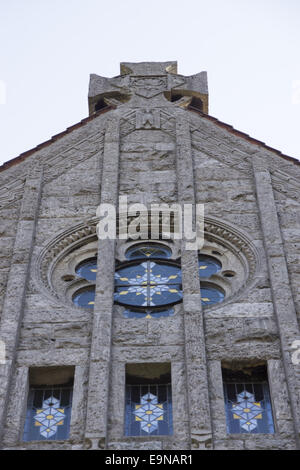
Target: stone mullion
[78, 406]
[280, 286]
[100, 358]
[194, 337]
[13, 307]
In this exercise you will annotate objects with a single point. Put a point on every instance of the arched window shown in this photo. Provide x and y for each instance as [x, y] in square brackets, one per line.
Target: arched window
[87, 269]
[150, 250]
[210, 293]
[150, 287]
[149, 284]
[85, 297]
[208, 265]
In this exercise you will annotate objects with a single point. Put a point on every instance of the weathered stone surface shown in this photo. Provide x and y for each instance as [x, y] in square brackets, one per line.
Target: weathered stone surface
[148, 145]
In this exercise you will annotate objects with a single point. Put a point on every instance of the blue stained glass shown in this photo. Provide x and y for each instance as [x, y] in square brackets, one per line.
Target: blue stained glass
[165, 274]
[48, 414]
[148, 410]
[208, 266]
[148, 251]
[85, 297]
[248, 408]
[136, 274]
[87, 269]
[211, 295]
[148, 284]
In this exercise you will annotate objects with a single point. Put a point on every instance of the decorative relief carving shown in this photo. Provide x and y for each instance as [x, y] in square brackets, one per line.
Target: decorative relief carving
[285, 185]
[201, 441]
[56, 164]
[128, 123]
[59, 247]
[11, 192]
[94, 443]
[75, 237]
[148, 119]
[73, 155]
[148, 86]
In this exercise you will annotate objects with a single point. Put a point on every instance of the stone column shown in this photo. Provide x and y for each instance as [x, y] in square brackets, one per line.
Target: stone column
[280, 398]
[100, 358]
[216, 389]
[78, 406]
[17, 408]
[195, 354]
[280, 286]
[13, 307]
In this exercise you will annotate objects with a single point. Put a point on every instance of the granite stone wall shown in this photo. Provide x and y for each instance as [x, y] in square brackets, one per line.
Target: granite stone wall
[151, 150]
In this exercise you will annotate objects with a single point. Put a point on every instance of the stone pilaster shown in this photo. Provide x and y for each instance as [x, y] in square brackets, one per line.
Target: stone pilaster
[78, 404]
[13, 307]
[218, 413]
[280, 286]
[17, 407]
[280, 398]
[195, 354]
[99, 373]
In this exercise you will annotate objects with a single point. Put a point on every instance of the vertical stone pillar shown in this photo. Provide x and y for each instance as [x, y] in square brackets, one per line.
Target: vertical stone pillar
[280, 286]
[216, 389]
[100, 357]
[280, 398]
[78, 406]
[17, 407]
[195, 354]
[17, 282]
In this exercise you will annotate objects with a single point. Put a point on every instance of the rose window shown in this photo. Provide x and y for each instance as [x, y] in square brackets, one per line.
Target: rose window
[148, 284]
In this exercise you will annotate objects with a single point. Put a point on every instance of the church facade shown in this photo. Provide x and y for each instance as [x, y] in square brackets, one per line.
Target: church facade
[136, 342]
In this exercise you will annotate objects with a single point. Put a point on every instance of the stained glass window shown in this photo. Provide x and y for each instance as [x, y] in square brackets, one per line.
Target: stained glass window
[149, 251]
[208, 265]
[151, 285]
[85, 297]
[87, 269]
[211, 294]
[48, 414]
[148, 284]
[148, 410]
[248, 405]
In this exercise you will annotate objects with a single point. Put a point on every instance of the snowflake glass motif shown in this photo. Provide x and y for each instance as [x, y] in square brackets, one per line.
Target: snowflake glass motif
[149, 413]
[49, 417]
[148, 284]
[247, 411]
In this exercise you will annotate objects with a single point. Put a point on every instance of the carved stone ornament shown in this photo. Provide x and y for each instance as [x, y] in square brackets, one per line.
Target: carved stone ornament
[148, 119]
[73, 240]
[147, 87]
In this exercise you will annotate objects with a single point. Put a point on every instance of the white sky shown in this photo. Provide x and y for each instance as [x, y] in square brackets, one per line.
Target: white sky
[250, 49]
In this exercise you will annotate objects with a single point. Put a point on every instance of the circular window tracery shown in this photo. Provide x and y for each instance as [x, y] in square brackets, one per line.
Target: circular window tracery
[85, 297]
[208, 265]
[148, 251]
[211, 294]
[87, 269]
[150, 287]
[148, 284]
[55, 266]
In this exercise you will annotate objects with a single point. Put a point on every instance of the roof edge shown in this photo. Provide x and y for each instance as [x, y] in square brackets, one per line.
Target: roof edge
[245, 136]
[20, 158]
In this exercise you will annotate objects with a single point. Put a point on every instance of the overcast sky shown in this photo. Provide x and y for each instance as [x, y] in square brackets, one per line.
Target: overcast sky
[250, 49]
